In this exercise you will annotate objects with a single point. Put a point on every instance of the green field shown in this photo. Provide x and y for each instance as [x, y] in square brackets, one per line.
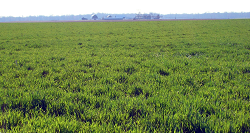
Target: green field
[148, 76]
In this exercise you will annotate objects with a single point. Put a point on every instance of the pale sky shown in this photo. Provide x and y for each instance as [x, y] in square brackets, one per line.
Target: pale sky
[76, 7]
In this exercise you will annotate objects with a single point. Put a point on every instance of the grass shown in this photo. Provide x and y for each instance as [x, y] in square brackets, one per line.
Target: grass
[166, 76]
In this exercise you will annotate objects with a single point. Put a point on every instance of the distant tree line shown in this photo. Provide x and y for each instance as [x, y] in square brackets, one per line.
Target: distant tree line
[41, 18]
[242, 15]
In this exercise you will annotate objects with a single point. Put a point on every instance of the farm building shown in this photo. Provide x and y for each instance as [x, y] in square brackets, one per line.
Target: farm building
[146, 16]
[84, 18]
[94, 16]
[109, 17]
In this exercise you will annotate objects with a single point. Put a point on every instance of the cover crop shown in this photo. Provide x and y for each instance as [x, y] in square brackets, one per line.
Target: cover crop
[155, 76]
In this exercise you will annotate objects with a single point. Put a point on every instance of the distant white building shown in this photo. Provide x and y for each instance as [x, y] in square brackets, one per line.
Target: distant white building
[109, 17]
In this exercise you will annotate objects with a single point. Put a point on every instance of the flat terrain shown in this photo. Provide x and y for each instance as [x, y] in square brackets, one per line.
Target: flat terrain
[140, 76]
[126, 20]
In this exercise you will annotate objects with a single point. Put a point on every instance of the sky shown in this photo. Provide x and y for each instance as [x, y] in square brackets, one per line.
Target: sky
[19, 8]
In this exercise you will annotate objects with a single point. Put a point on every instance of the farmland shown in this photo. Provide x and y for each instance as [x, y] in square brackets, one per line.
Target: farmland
[147, 76]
